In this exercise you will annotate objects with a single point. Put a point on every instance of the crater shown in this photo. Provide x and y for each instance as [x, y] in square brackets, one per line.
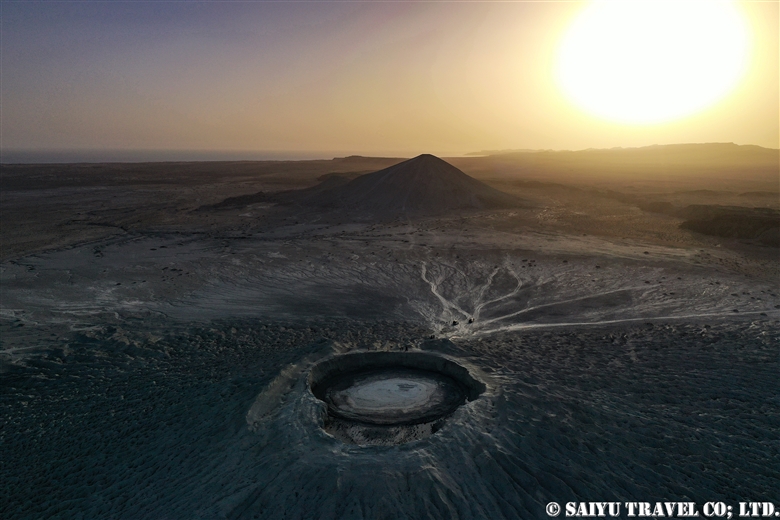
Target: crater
[390, 397]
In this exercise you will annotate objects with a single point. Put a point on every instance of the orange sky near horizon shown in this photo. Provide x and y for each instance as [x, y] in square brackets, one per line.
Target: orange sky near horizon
[333, 78]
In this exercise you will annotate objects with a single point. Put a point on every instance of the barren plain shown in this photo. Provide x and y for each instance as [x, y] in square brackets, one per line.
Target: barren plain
[156, 339]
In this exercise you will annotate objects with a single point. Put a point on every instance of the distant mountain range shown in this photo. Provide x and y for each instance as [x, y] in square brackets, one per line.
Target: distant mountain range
[654, 147]
[726, 165]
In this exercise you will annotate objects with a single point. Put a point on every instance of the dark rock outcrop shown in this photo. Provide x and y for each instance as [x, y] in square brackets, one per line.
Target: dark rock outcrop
[760, 224]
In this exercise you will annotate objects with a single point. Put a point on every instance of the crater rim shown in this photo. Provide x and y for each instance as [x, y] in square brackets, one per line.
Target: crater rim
[359, 397]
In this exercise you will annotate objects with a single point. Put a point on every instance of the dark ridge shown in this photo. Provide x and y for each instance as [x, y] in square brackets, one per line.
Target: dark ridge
[344, 175]
[758, 224]
[329, 182]
[761, 224]
[239, 201]
[768, 194]
[658, 206]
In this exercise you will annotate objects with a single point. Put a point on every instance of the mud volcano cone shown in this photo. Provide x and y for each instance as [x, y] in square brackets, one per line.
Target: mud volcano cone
[425, 185]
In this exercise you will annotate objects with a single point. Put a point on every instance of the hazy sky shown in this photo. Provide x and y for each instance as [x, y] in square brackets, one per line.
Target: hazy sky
[333, 77]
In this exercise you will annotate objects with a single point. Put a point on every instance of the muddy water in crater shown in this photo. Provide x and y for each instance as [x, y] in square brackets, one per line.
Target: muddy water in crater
[388, 398]
[393, 396]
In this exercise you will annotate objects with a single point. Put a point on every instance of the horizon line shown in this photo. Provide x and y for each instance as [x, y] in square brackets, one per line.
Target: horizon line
[147, 155]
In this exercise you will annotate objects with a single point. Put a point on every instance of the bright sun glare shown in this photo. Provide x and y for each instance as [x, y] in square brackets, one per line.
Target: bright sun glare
[645, 62]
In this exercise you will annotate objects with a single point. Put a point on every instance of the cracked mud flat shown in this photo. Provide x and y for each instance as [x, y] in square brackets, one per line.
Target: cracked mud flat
[165, 375]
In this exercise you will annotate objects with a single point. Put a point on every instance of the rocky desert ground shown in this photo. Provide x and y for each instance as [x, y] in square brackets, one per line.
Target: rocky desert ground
[159, 322]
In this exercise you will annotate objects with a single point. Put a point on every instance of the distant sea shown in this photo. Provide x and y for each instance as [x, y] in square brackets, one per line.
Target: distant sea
[100, 156]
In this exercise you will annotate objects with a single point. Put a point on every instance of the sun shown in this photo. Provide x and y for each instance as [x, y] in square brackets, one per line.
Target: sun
[646, 62]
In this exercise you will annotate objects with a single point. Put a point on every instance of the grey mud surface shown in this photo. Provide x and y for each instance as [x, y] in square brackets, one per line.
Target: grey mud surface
[165, 375]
